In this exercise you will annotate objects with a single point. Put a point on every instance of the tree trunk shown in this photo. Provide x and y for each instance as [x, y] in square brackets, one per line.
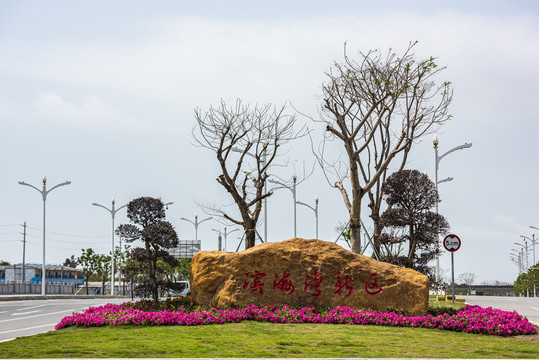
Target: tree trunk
[355, 235]
[376, 236]
[250, 238]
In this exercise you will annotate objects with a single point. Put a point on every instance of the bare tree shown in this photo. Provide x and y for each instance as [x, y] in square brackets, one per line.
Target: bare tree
[377, 106]
[238, 135]
[467, 278]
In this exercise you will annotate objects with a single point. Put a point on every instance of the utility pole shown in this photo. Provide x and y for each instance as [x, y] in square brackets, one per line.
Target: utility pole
[23, 252]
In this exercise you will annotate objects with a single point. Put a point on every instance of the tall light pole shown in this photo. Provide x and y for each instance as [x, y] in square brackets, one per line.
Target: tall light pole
[229, 232]
[219, 239]
[44, 193]
[113, 212]
[525, 247]
[293, 190]
[533, 240]
[519, 254]
[437, 159]
[196, 223]
[315, 209]
[263, 163]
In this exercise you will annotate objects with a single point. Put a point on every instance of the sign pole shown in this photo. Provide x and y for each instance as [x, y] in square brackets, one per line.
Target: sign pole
[452, 244]
[452, 277]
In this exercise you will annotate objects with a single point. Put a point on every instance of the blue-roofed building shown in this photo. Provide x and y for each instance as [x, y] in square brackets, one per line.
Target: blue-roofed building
[54, 274]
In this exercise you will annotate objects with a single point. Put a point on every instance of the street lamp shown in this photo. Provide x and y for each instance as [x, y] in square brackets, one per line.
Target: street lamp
[315, 209]
[263, 163]
[293, 189]
[437, 160]
[113, 212]
[225, 233]
[520, 255]
[533, 240]
[219, 239]
[196, 223]
[44, 193]
[525, 246]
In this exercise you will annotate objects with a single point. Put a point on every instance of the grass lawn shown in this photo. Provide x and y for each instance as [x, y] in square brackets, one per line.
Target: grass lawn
[257, 339]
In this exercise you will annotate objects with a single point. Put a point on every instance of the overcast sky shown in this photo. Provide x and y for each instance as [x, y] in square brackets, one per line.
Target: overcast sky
[102, 94]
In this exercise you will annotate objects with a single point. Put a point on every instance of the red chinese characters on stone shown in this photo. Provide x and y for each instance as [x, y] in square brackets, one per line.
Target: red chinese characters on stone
[339, 285]
[315, 281]
[371, 286]
[283, 283]
[256, 284]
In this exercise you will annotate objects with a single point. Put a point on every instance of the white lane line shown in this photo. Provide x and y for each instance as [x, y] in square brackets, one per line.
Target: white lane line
[34, 316]
[1, 341]
[534, 308]
[32, 307]
[3, 312]
[25, 313]
[28, 328]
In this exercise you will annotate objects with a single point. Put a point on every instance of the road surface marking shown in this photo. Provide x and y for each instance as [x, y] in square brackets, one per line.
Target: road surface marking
[34, 316]
[28, 328]
[534, 308]
[32, 307]
[25, 313]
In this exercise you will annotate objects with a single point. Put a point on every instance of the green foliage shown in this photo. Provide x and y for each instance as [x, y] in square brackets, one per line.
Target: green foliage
[410, 196]
[4, 263]
[152, 262]
[89, 262]
[71, 262]
[443, 307]
[527, 281]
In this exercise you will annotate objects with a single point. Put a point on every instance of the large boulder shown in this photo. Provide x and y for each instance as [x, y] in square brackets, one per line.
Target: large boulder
[300, 272]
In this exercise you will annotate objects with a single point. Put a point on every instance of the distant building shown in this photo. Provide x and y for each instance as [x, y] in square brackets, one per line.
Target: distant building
[32, 273]
[186, 249]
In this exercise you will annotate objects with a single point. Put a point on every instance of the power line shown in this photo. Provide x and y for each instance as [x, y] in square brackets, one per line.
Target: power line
[71, 235]
[68, 241]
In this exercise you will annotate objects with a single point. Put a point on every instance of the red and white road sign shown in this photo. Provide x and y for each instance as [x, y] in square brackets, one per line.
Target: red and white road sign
[451, 242]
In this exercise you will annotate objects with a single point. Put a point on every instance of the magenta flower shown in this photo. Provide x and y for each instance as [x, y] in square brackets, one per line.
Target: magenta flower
[470, 319]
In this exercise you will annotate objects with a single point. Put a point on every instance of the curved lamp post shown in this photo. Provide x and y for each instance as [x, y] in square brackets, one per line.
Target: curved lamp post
[113, 212]
[293, 190]
[437, 160]
[263, 163]
[533, 240]
[525, 254]
[315, 209]
[196, 223]
[44, 193]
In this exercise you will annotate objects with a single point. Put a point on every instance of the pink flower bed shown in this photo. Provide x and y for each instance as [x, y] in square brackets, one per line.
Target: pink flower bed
[470, 319]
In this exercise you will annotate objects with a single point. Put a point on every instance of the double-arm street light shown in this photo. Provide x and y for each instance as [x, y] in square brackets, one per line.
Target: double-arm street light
[525, 255]
[196, 223]
[113, 212]
[437, 160]
[225, 233]
[533, 240]
[516, 255]
[315, 209]
[44, 192]
[293, 190]
[262, 163]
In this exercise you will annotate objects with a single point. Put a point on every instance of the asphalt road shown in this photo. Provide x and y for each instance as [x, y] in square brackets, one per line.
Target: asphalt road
[30, 317]
[525, 306]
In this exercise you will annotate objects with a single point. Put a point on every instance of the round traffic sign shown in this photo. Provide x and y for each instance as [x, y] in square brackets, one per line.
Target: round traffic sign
[451, 242]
